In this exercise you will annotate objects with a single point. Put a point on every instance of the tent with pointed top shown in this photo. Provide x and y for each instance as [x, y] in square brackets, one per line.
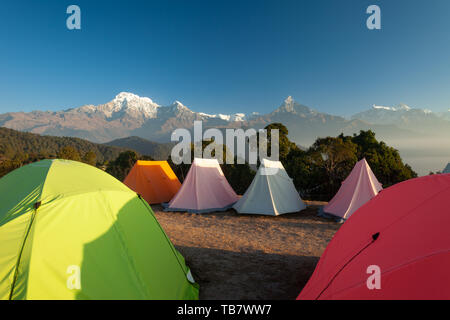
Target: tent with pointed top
[360, 186]
[205, 189]
[271, 192]
[447, 168]
[397, 246]
[71, 231]
[155, 181]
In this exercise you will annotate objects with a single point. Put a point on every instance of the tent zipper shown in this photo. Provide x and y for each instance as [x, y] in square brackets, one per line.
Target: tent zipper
[374, 238]
[16, 271]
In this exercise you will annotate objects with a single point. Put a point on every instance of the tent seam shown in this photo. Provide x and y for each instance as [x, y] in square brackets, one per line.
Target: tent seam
[271, 198]
[19, 257]
[27, 233]
[413, 261]
[343, 267]
[396, 221]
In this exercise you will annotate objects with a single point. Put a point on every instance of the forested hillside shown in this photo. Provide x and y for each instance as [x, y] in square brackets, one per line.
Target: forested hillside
[20, 148]
[158, 151]
[15, 144]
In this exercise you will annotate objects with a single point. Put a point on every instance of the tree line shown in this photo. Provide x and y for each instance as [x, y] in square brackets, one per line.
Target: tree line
[317, 172]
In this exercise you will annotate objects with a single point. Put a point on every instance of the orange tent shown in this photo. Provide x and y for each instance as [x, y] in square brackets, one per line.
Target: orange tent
[155, 181]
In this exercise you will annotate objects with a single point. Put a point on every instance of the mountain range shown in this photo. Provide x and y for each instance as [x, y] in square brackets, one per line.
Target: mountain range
[409, 129]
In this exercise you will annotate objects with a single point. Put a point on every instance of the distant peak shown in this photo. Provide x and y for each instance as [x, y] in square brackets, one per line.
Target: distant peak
[178, 104]
[288, 100]
[123, 95]
[225, 117]
[399, 107]
[382, 107]
[403, 106]
[128, 96]
[288, 104]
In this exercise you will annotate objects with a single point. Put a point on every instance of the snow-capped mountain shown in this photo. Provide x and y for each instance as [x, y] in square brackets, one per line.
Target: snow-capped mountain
[124, 103]
[118, 118]
[401, 112]
[405, 117]
[225, 117]
[291, 106]
[400, 107]
[130, 115]
[132, 105]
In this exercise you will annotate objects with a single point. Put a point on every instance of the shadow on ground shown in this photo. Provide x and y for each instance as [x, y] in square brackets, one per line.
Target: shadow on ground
[248, 275]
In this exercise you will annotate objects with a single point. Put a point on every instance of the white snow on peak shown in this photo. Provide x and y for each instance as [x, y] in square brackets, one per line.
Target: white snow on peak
[403, 106]
[134, 100]
[219, 116]
[289, 104]
[207, 115]
[400, 107]
[381, 107]
[131, 104]
[179, 106]
[288, 100]
[225, 117]
[238, 117]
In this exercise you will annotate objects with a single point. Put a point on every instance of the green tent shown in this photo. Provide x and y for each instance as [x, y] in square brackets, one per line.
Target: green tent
[71, 231]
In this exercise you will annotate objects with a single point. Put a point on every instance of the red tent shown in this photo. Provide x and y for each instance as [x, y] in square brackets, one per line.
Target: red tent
[396, 246]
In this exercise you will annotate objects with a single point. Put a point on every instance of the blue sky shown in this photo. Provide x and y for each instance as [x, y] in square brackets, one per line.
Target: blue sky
[226, 56]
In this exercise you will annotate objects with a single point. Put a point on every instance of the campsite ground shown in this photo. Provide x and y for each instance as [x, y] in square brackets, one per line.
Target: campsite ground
[249, 256]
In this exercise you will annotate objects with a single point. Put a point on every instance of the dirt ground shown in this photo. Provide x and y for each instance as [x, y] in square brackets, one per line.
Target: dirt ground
[249, 256]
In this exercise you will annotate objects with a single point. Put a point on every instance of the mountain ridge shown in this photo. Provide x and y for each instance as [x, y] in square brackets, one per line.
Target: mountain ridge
[130, 115]
[158, 151]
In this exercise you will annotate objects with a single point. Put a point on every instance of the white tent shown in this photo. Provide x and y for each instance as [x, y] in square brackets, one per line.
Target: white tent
[271, 192]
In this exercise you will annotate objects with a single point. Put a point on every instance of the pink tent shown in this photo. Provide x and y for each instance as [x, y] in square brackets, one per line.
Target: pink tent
[205, 189]
[360, 186]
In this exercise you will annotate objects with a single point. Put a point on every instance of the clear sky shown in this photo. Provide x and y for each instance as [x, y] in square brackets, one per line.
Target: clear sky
[224, 55]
